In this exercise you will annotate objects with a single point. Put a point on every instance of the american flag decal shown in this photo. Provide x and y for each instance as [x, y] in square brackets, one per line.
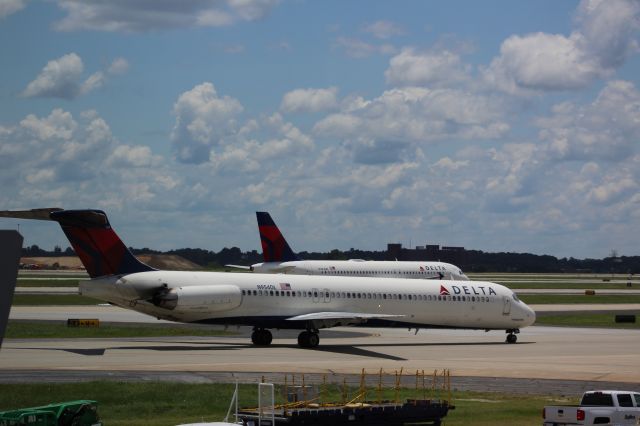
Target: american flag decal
[285, 286]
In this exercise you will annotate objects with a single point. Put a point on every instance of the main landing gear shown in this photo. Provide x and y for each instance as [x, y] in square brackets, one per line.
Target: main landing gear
[511, 337]
[308, 339]
[261, 337]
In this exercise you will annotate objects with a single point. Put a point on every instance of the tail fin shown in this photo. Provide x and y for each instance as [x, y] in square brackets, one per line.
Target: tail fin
[274, 247]
[94, 241]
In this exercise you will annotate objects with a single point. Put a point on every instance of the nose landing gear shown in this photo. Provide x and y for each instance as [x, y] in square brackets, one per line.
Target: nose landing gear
[511, 337]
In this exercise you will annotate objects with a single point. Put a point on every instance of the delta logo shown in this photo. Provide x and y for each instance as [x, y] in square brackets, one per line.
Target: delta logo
[470, 290]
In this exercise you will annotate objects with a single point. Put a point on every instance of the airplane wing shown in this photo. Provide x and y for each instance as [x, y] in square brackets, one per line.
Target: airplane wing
[283, 269]
[439, 277]
[335, 319]
[278, 269]
[246, 268]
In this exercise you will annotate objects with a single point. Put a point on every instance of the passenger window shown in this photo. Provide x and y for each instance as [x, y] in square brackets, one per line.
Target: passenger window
[636, 396]
[270, 292]
[624, 400]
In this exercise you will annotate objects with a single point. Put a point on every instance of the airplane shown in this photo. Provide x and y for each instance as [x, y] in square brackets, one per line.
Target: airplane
[280, 258]
[272, 301]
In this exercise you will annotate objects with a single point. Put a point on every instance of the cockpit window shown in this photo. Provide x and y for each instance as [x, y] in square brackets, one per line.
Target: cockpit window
[515, 297]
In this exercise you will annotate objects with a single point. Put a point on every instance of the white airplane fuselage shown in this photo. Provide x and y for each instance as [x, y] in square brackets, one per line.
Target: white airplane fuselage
[269, 300]
[364, 268]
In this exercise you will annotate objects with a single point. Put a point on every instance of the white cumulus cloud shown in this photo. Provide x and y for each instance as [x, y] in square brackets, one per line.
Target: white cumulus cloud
[118, 66]
[9, 7]
[203, 119]
[63, 78]
[604, 37]
[142, 15]
[605, 129]
[417, 115]
[412, 68]
[60, 78]
[309, 100]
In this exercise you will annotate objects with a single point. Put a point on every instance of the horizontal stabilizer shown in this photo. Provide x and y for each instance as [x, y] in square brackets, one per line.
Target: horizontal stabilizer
[37, 214]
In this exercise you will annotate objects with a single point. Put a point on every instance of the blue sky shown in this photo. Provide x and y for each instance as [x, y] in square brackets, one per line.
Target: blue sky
[496, 125]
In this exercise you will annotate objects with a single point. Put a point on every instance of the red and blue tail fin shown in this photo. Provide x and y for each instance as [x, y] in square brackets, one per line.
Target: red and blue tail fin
[94, 241]
[274, 247]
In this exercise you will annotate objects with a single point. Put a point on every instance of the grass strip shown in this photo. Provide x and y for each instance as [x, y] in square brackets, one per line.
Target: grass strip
[566, 285]
[585, 320]
[52, 299]
[21, 329]
[48, 283]
[166, 403]
[544, 299]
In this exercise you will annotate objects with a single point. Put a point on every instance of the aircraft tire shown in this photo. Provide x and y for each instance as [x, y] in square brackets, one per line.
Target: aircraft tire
[512, 338]
[303, 339]
[314, 340]
[308, 339]
[261, 337]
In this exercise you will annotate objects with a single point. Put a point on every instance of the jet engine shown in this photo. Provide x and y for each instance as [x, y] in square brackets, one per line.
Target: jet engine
[210, 298]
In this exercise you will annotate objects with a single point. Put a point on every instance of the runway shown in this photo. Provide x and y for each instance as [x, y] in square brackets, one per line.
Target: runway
[541, 353]
[554, 360]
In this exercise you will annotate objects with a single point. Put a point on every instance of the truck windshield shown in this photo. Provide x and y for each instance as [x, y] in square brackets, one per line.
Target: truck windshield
[597, 399]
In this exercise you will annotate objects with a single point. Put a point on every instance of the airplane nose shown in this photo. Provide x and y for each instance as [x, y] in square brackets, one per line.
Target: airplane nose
[531, 316]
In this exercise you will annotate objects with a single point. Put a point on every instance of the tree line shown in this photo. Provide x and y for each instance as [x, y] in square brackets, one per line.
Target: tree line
[467, 260]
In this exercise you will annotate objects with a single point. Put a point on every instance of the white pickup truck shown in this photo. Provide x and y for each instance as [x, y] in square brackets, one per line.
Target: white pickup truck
[597, 408]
